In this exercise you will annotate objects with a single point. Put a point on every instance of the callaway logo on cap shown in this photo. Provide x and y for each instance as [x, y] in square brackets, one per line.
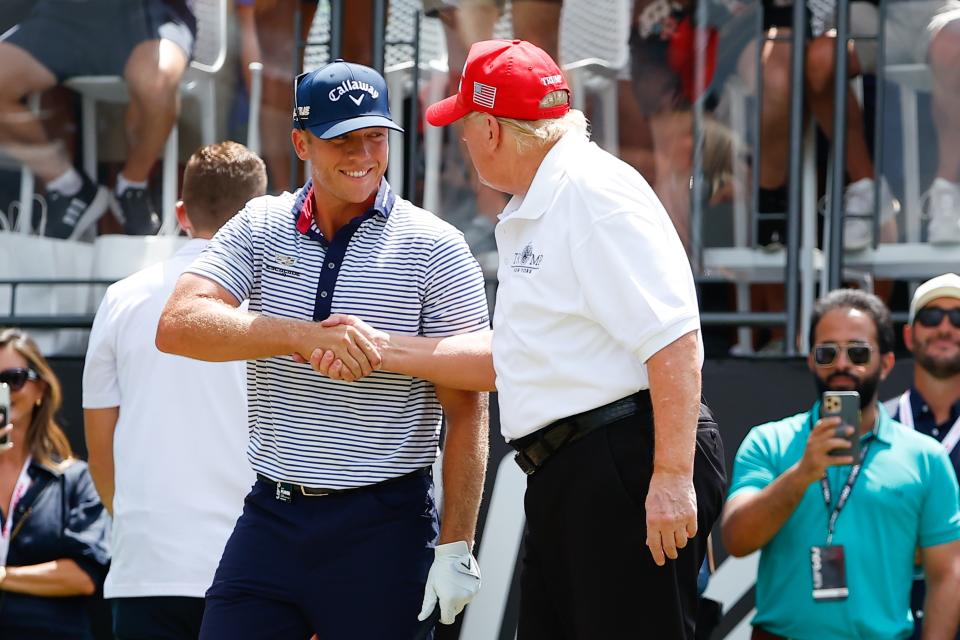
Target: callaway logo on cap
[507, 78]
[339, 98]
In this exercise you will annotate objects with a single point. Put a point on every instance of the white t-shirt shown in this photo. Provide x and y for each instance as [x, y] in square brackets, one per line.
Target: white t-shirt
[179, 446]
[593, 280]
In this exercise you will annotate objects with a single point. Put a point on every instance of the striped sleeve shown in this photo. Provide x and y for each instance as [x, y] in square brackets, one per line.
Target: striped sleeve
[454, 298]
[229, 258]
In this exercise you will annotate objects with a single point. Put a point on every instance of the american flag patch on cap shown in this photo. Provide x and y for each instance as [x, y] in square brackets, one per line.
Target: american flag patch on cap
[484, 95]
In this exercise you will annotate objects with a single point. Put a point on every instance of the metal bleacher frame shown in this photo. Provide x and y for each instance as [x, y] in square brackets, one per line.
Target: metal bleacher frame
[801, 266]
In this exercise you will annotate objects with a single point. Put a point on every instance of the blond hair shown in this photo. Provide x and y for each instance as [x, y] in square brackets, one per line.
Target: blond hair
[218, 181]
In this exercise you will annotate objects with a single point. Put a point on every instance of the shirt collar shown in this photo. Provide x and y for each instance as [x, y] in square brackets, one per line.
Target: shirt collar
[303, 204]
[882, 429]
[918, 402]
[538, 197]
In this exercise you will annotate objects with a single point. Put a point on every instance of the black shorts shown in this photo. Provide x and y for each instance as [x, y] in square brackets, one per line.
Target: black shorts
[96, 37]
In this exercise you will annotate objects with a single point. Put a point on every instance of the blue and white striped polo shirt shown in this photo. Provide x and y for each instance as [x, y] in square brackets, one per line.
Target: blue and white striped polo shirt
[399, 268]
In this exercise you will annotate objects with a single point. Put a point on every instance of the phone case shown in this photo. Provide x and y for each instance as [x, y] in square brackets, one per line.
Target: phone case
[845, 404]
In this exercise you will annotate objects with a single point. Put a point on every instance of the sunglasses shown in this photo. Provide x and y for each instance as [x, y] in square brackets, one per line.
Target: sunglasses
[16, 378]
[826, 354]
[933, 316]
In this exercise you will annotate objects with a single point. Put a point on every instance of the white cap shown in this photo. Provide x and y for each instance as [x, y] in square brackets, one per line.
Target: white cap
[945, 286]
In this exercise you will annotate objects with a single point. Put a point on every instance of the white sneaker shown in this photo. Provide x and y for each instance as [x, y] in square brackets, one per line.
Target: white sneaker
[944, 212]
[858, 205]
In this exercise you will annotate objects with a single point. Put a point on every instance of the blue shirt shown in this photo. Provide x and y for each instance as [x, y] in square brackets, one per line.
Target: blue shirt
[399, 268]
[925, 422]
[904, 498]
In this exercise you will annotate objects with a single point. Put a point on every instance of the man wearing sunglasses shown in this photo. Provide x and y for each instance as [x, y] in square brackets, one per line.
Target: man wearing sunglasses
[932, 404]
[340, 535]
[838, 535]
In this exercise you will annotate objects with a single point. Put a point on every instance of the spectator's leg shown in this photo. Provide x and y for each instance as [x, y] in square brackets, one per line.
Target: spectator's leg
[944, 57]
[820, 79]
[21, 132]
[153, 74]
[538, 21]
[775, 110]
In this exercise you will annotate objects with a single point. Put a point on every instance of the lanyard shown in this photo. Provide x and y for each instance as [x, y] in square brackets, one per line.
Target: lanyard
[23, 483]
[844, 493]
[949, 441]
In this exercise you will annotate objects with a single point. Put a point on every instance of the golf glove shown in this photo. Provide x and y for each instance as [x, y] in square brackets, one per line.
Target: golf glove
[453, 581]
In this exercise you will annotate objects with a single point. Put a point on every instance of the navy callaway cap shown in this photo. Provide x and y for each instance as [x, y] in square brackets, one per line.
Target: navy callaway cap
[339, 98]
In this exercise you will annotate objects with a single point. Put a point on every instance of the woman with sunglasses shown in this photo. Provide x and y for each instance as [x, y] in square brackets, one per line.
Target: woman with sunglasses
[53, 547]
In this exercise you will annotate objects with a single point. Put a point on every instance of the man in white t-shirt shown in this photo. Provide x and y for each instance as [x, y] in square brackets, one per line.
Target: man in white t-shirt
[167, 436]
[596, 339]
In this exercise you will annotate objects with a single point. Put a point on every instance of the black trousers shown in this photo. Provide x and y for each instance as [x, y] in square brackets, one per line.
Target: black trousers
[157, 618]
[587, 572]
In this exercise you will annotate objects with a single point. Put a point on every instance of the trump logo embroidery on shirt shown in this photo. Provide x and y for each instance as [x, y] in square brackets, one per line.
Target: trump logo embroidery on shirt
[527, 260]
[484, 95]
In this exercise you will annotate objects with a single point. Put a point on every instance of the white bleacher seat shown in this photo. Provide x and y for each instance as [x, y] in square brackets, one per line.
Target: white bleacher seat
[210, 52]
[30, 257]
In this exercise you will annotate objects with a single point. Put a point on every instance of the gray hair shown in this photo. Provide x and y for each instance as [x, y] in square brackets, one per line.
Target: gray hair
[539, 133]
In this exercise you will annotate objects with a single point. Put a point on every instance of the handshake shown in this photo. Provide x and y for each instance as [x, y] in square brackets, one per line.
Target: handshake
[343, 348]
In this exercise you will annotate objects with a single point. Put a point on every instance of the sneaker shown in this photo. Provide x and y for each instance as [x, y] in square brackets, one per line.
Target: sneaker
[858, 206]
[137, 213]
[69, 216]
[944, 212]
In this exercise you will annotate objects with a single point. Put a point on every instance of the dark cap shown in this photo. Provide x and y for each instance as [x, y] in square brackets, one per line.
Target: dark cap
[339, 98]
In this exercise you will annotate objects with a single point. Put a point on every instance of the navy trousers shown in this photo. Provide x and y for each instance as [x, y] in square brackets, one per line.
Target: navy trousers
[347, 565]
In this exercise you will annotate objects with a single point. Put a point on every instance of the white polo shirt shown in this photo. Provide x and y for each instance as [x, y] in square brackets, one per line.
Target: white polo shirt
[593, 281]
[179, 446]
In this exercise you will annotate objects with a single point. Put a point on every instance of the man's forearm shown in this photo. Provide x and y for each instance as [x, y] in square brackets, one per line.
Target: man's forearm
[465, 454]
[941, 608]
[751, 521]
[57, 578]
[99, 426]
[462, 361]
[674, 374]
[208, 329]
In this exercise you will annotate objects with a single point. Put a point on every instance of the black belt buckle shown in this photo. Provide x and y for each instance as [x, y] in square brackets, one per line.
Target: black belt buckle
[525, 463]
[284, 492]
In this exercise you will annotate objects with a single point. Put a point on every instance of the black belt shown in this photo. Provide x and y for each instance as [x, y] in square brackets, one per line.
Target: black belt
[286, 490]
[535, 449]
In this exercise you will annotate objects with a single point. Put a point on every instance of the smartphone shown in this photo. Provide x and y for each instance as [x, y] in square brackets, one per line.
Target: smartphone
[845, 404]
[4, 411]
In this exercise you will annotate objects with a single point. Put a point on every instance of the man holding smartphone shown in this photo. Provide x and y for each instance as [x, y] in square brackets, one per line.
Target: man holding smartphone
[932, 404]
[838, 533]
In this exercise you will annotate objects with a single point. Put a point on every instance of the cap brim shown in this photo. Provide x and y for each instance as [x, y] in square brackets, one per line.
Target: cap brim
[447, 111]
[332, 130]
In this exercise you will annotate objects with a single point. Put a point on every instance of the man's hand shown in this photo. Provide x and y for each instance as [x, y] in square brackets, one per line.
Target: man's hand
[328, 363]
[453, 581]
[823, 439]
[671, 507]
[347, 345]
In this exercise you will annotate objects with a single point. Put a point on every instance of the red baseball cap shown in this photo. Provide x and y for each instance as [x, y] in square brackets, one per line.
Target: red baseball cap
[506, 78]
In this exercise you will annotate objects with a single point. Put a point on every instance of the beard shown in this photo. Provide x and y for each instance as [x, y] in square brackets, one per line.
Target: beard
[865, 386]
[940, 368]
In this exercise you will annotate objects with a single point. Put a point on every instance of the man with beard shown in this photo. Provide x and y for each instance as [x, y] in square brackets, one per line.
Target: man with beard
[932, 404]
[837, 536]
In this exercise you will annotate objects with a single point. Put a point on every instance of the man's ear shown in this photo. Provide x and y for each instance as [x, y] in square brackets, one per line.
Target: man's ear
[301, 143]
[494, 132]
[908, 337]
[182, 218]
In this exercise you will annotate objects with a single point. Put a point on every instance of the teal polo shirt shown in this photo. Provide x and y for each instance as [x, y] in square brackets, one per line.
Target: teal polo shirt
[904, 498]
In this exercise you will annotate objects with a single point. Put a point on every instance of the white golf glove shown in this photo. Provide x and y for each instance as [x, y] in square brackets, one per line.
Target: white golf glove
[453, 581]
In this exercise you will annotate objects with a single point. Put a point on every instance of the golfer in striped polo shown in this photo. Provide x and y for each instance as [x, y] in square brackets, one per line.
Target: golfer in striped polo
[340, 535]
